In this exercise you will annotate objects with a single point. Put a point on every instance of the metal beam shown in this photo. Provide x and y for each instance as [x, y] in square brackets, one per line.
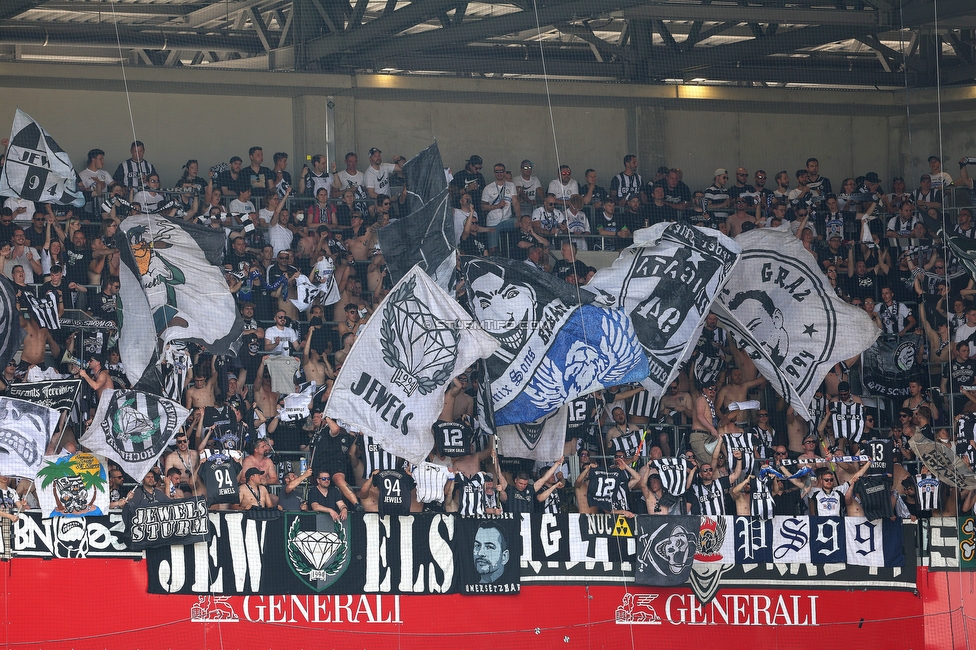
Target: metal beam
[357, 14]
[729, 13]
[12, 8]
[923, 12]
[124, 8]
[260, 28]
[217, 10]
[513, 23]
[378, 30]
[104, 35]
[585, 32]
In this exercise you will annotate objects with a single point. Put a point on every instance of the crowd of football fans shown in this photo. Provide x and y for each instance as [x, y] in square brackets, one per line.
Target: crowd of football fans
[882, 250]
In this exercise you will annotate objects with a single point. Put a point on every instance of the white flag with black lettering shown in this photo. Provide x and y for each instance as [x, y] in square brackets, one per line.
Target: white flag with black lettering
[666, 281]
[26, 429]
[540, 440]
[780, 307]
[393, 381]
[36, 168]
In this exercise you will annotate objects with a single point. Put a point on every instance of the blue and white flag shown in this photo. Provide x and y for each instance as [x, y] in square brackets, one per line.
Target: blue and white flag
[133, 429]
[392, 384]
[26, 430]
[791, 539]
[666, 282]
[36, 167]
[874, 543]
[542, 440]
[554, 347]
[780, 308]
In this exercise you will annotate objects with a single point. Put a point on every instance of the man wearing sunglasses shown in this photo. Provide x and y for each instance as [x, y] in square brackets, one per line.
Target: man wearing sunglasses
[325, 498]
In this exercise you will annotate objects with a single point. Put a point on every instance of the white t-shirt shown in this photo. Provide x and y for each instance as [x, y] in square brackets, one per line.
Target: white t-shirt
[563, 192]
[530, 188]
[492, 194]
[280, 238]
[149, 200]
[285, 334]
[349, 181]
[15, 202]
[549, 220]
[238, 206]
[264, 216]
[379, 180]
[88, 177]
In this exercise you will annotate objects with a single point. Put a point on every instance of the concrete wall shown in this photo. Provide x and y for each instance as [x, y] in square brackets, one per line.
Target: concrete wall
[213, 115]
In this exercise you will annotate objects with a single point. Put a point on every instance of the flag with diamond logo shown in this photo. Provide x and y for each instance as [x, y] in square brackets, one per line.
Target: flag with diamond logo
[317, 548]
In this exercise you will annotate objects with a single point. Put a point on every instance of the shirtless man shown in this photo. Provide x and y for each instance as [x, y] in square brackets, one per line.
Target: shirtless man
[653, 490]
[917, 398]
[704, 434]
[317, 368]
[201, 394]
[260, 460]
[463, 403]
[252, 492]
[796, 430]
[184, 459]
[678, 401]
[265, 399]
[360, 247]
[583, 482]
[99, 379]
[737, 391]
[35, 341]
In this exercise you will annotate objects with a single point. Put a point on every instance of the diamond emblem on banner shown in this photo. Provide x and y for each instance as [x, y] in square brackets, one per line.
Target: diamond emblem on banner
[317, 547]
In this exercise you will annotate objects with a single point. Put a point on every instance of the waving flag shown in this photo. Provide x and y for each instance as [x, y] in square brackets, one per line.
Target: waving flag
[666, 281]
[782, 310]
[425, 237]
[553, 348]
[73, 485]
[542, 440]
[393, 381]
[26, 429]
[424, 177]
[171, 275]
[10, 330]
[133, 428]
[36, 168]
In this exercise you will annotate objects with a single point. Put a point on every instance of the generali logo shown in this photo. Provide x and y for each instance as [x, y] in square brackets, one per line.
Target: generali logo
[724, 609]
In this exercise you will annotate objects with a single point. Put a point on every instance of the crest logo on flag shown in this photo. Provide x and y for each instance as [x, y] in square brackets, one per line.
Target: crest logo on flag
[131, 433]
[317, 553]
[422, 358]
[711, 536]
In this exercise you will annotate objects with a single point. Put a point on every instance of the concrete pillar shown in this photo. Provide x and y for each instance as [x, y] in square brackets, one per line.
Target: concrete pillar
[649, 139]
[311, 127]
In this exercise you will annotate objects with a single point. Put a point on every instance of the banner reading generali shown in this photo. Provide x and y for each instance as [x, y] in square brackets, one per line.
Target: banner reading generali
[564, 616]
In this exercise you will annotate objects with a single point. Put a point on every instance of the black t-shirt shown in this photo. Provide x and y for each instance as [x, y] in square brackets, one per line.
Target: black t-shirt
[242, 182]
[257, 181]
[520, 500]
[34, 238]
[452, 439]
[394, 487]
[219, 475]
[330, 500]
[959, 374]
[660, 213]
[604, 486]
[562, 266]
[332, 452]
[881, 451]
[57, 290]
[76, 268]
[105, 307]
[237, 262]
[462, 178]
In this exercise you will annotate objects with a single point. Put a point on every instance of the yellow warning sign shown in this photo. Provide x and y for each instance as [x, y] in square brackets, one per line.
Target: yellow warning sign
[621, 528]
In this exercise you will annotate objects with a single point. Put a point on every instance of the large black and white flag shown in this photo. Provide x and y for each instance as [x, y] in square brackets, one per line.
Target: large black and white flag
[666, 548]
[666, 281]
[44, 311]
[943, 462]
[57, 394]
[424, 177]
[26, 430]
[180, 522]
[392, 384]
[890, 364]
[553, 349]
[10, 330]
[36, 168]
[425, 238]
[542, 440]
[782, 310]
[171, 271]
[133, 428]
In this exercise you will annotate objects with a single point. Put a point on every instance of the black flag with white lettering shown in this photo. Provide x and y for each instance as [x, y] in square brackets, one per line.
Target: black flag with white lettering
[56, 394]
[666, 548]
[164, 523]
[890, 364]
[10, 330]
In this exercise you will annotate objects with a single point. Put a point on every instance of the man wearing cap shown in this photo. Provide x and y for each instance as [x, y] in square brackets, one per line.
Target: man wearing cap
[927, 195]
[940, 179]
[717, 196]
[252, 494]
[231, 181]
[470, 180]
[527, 187]
[872, 186]
[376, 178]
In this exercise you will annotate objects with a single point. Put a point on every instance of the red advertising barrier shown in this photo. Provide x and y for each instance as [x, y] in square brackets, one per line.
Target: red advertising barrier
[104, 604]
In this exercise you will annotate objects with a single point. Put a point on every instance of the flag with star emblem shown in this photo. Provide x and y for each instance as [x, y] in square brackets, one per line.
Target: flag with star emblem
[780, 308]
[666, 282]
